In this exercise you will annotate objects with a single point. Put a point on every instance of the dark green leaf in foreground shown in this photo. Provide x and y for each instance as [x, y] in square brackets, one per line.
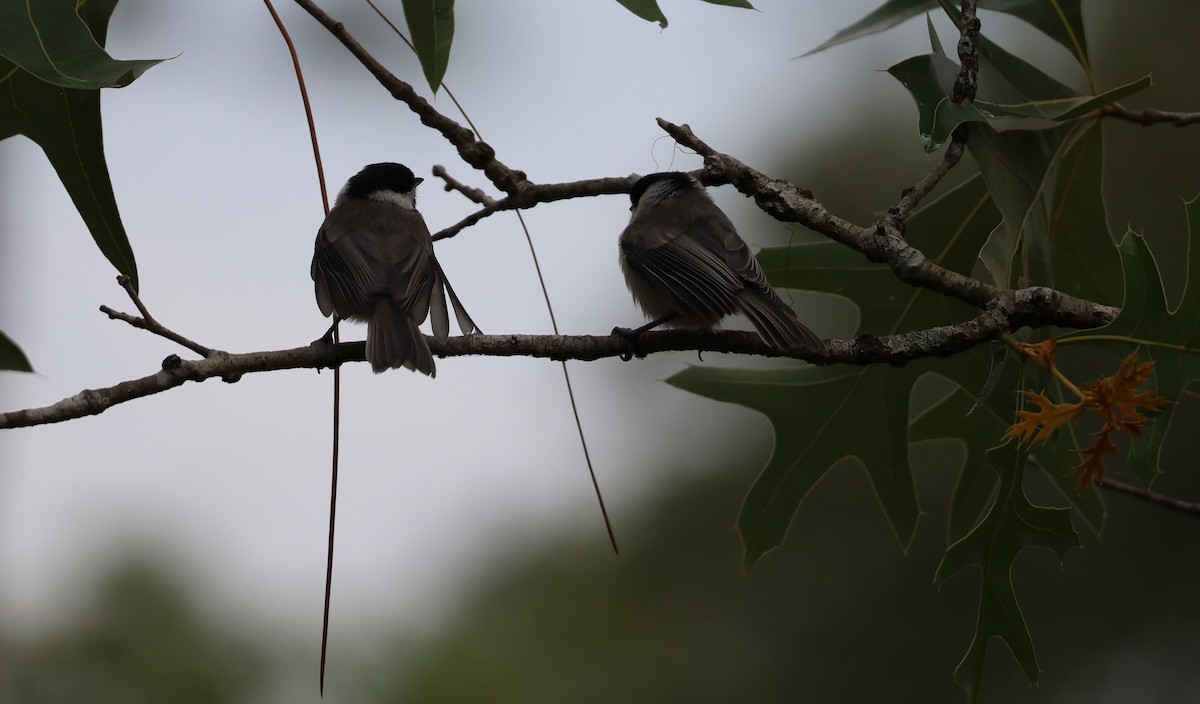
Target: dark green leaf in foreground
[822, 415]
[978, 432]
[11, 356]
[1021, 167]
[1061, 20]
[647, 10]
[732, 3]
[1011, 525]
[1048, 185]
[1171, 338]
[1079, 225]
[431, 23]
[935, 42]
[65, 123]
[50, 40]
[1008, 87]
[886, 16]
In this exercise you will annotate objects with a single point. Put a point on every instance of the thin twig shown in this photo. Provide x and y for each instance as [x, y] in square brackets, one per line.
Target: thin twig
[911, 197]
[1188, 507]
[480, 197]
[308, 113]
[413, 49]
[1148, 117]
[147, 321]
[473, 151]
[965, 86]
[535, 193]
[337, 372]
[452, 184]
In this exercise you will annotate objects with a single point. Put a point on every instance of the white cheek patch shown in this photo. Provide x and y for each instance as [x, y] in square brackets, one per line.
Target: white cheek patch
[404, 200]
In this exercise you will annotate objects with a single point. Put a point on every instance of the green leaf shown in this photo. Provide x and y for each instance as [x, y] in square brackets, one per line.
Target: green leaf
[980, 431]
[1008, 87]
[886, 16]
[935, 41]
[811, 436]
[1061, 20]
[732, 3]
[11, 356]
[66, 124]
[1171, 338]
[1011, 525]
[1021, 170]
[49, 40]
[1048, 185]
[822, 415]
[431, 23]
[647, 10]
[1086, 261]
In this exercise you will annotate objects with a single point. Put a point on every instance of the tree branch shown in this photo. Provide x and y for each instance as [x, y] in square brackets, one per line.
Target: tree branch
[148, 323]
[473, 151]
[1148, 117]
[533, 194]
[1189, 507]
[864, 349]
[452, 184]
[884, 242]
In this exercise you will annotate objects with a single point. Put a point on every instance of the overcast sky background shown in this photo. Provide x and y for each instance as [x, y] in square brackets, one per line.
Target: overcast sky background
[211, 164]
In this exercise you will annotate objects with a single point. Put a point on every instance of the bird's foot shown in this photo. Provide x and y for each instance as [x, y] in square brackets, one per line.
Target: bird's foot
[630, 336]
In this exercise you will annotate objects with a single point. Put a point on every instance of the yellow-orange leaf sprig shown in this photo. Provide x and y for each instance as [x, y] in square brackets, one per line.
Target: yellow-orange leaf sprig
[1115, 399]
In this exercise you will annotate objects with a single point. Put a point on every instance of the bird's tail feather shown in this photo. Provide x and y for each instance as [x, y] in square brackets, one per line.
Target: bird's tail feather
[777, 323]
[438, 312]
[394, 340]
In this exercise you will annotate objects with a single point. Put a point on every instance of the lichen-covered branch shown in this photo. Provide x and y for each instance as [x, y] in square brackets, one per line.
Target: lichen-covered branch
[866, 349]
[884, 242]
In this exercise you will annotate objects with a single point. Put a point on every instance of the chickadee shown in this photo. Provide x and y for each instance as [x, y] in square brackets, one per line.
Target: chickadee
[687, 267]
[374, 263]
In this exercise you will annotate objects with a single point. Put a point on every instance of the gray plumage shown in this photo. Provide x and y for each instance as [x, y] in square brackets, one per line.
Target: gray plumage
[374, 263]
[687, 267]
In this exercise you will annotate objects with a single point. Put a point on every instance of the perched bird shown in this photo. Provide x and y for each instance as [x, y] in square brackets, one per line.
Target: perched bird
[374, 263]
[687, 267]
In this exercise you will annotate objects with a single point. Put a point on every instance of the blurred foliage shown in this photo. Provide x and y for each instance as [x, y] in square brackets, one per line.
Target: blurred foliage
[835, 615]
[139, 639]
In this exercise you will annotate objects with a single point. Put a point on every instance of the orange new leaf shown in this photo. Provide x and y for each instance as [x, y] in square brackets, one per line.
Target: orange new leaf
[1038, 426]
[1115, 398]
[1124, 409]
[1043, 354]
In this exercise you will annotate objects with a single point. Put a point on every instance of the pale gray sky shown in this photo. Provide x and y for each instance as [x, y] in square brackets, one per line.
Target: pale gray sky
[212, 167]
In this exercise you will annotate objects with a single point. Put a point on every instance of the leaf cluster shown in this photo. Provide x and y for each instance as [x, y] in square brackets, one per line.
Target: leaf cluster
[1033, 216]
[1116, 399]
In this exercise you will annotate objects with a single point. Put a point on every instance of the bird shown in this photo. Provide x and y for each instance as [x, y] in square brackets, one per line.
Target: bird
[373, 262]
[686, 266]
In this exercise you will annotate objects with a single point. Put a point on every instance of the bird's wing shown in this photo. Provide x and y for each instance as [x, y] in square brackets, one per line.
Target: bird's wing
[378, 250]
[685, 258]
[774, 319]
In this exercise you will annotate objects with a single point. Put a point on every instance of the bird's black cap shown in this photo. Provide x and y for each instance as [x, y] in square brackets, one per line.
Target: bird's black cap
[678, 180]
[385, 176]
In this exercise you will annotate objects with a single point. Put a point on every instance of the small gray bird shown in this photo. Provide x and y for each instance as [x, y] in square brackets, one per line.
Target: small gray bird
[374, 263]
[687, 267]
